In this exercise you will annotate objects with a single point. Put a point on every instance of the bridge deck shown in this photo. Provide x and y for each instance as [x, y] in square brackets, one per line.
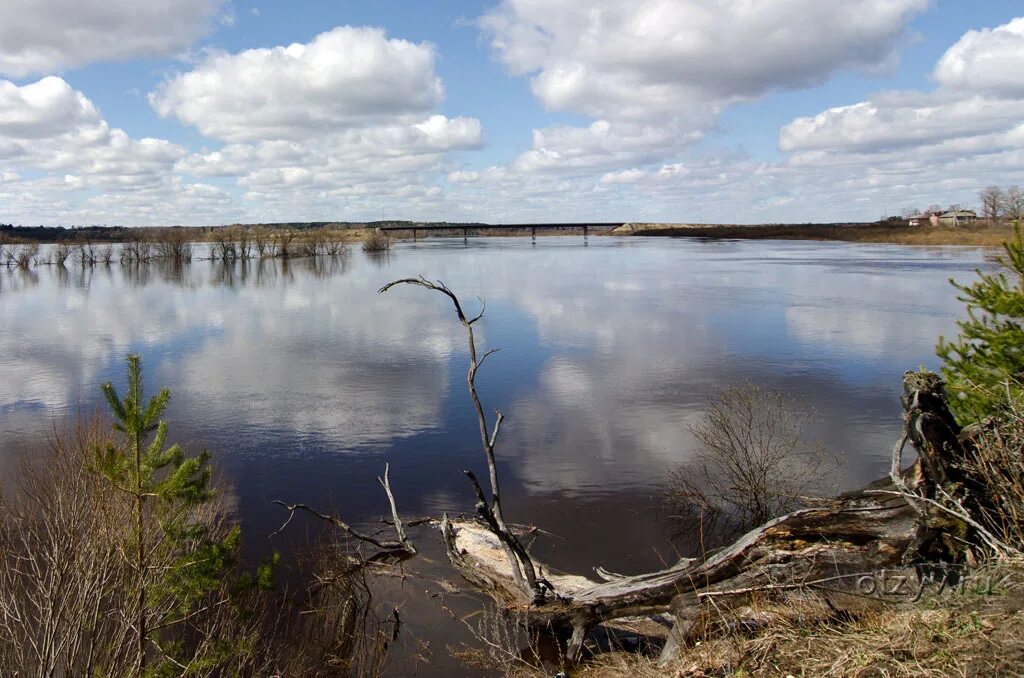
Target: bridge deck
[533, 228]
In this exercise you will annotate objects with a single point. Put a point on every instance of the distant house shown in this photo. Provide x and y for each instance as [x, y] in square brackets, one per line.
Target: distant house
[950, 218]
[958, 217]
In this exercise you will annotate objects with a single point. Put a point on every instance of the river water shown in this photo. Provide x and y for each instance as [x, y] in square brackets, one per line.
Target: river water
[303, 382]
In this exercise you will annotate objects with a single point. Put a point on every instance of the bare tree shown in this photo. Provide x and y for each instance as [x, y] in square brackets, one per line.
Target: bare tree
[86, 252]
[61, 252]
[284, 242]
[105, 254]
[489, 511]
[174, 244]
[224, 247]
[991, 202]
[388, 549]
[244, 239]
[22, 256]
[752, 465]
[262, 242]
[65, 600]
[1013, 202]
[68, 593]
[136, 248]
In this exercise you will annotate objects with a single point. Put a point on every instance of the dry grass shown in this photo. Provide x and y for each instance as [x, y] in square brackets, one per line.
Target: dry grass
[975, 631]
[976, 235]
[67, 589]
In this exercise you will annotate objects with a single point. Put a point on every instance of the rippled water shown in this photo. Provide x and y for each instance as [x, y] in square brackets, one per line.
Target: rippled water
[303, 381]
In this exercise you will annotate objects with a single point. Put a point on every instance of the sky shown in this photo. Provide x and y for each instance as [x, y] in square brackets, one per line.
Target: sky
[200, 112]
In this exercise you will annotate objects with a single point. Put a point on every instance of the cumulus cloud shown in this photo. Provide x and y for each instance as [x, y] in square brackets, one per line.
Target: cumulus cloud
[973, 116]
[42, 36]
[44, 108]
[851, 162]
[47, 125]
[902, 120]
[655, 75]
[344, 78]
[990, 61]
[347, 121]
[651, 57]
[75, 163]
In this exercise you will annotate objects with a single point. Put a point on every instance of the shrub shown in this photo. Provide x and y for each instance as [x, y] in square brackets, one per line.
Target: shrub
[377, 241]
[752, 465]
[995, 461]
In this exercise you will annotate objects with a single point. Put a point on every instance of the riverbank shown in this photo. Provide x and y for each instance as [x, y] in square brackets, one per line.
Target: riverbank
[975, 235]
[970, 630]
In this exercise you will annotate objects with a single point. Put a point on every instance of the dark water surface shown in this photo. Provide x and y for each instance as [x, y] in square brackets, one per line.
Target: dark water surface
[303, 382]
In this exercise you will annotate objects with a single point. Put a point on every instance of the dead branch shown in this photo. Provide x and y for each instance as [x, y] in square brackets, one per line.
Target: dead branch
[522, 567]
[399, 549]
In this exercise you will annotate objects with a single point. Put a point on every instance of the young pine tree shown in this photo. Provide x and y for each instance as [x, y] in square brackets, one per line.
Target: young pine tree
[177, 559]
[984, 366]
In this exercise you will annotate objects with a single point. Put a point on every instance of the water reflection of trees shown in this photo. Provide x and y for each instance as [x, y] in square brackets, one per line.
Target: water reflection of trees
[15, 280]
[232, 274]
[379, 259]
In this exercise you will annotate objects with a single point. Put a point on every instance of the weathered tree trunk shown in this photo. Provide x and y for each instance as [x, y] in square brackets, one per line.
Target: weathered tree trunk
[863, 531]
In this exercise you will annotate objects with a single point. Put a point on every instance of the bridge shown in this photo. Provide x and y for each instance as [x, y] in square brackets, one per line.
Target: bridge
[466, 229]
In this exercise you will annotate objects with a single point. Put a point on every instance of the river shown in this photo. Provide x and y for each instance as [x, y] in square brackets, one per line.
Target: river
[303, 382]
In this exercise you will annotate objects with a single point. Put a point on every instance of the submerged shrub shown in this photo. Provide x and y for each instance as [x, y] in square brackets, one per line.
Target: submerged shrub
[752, 464]
[377, 241]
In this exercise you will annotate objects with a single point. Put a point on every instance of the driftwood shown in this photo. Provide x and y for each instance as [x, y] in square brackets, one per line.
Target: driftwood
[893, 522]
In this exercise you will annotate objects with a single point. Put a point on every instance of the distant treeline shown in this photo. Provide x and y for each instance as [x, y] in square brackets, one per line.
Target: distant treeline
[51, 234]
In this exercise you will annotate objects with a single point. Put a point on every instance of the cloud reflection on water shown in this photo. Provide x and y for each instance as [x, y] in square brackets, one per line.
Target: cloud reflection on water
[609, 350]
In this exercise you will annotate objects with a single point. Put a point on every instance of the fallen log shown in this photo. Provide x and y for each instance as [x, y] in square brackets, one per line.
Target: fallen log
[890, 523]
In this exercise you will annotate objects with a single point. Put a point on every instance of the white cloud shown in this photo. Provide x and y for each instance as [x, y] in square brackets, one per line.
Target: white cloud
[990, 61]
[902, 120]
[849, 163]
[44, 108]
[345, 123]
[656, 74]
[649, 58]
[47, 125]
[977, 110]
[42, 36]
[90, 172]
[628, 176]
[343, 79]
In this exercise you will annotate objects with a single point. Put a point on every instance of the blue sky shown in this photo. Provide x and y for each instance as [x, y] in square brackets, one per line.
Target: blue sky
[509, 110]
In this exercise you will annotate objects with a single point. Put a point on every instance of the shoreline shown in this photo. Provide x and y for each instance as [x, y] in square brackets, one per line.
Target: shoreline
[980, 234]
[974, 235]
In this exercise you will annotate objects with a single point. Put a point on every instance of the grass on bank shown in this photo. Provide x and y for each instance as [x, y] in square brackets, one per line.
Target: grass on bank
[973, 631]
[980, 234]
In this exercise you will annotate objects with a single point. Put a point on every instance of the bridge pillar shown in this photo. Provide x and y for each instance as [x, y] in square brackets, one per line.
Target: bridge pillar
[465, 233]
[414, 234]
[584, 232]
[533, 234]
